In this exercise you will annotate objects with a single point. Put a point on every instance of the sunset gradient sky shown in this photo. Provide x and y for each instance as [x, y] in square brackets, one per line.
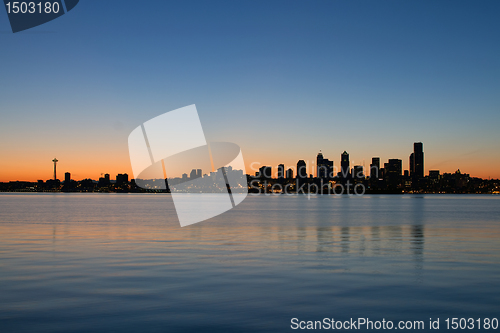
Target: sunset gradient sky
[282, 79]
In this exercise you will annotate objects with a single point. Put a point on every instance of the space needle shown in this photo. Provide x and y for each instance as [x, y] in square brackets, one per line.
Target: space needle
[55, 167]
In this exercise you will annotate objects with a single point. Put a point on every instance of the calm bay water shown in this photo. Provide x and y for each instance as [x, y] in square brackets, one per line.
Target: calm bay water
[121, 263]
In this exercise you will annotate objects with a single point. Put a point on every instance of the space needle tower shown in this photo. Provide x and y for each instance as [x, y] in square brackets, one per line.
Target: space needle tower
[55, 168]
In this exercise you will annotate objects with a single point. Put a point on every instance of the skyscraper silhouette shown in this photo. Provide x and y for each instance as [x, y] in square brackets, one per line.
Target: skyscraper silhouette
[374, 168]
[393, 171]
[344, 165]
[281, 171]
[417, 161]
[358, 172]
[412, 164]
[418, 150]
[301, 169]
[319, 165]
[324, 167]
[266, 172]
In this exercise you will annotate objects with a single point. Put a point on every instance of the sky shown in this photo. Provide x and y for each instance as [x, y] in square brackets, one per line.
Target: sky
[282, 79]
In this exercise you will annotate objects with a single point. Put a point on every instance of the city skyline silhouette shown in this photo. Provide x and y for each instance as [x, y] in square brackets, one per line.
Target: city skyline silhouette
[322, 174]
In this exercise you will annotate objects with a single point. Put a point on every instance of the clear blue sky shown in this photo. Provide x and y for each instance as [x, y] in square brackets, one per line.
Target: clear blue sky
[282, 79]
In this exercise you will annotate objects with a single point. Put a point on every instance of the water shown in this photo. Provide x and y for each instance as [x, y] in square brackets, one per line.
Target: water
[121, 263]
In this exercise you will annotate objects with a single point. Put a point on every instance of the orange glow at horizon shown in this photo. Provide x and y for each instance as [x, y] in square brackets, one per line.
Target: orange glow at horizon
[21, 167]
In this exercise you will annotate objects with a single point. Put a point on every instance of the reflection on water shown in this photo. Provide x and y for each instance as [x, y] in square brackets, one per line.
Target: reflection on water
[76, 262]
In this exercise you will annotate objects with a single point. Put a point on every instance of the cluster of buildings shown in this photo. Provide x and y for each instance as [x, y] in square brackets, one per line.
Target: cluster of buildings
[122, 184]
[387, 178]
[104, 184]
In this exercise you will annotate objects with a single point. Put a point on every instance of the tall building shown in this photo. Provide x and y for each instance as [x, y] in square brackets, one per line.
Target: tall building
[357, 172]
[417, 161]
[329, 168]
[289, 173]
[198, 173]
[324, 167]
[393, 170]
[394, 166]
[344, 165]
[281, 171]
[67, 178]
[301, 169]
[266, 172]
[192, 175]
[418, 150]
[375, 168]
[412, 164]
[319, 165]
